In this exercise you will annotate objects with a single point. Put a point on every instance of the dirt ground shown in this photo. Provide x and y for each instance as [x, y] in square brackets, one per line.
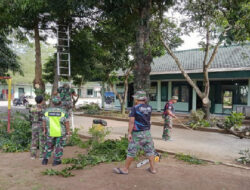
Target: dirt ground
[18, 172]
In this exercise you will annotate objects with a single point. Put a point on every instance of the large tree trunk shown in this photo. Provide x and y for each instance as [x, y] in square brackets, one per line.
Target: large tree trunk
[206, 110]
[143, 56]
[118, 95]
[75, 100]
[123, 108]
[38, 82]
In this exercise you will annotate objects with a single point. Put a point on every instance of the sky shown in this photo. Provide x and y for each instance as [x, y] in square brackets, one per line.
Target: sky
[190, 42]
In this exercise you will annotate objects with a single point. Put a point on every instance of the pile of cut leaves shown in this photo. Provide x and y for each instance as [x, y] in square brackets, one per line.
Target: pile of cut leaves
[106, 152]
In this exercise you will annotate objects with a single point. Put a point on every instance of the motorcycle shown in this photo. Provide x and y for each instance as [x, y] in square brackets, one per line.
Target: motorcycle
[21, 101]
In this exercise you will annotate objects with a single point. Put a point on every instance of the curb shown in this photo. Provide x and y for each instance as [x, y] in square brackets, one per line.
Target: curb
[213, 130]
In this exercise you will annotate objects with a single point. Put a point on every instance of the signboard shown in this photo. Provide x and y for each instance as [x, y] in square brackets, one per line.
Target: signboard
[109, 99]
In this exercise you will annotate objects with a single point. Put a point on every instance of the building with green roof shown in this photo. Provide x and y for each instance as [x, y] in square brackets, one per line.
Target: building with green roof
[229, 77]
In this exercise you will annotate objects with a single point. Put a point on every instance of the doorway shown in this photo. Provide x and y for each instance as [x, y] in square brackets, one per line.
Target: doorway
[20, 92]
[227, 104]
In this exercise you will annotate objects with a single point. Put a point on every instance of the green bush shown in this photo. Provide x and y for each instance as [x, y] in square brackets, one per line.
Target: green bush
[213, 121]
[234, 120]
[19, 138]
[98, 132]
[245, 157]
[108, 151]
[47, 96]
[197, 119]
[197, 115]
[75, 140]
[91, 108]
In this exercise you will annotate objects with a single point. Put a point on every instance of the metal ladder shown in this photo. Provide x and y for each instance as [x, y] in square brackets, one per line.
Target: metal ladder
[63, 57]
[63, 54]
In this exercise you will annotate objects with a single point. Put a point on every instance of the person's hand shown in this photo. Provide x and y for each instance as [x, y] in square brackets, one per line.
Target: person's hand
[174, 116]
[69, 133]
[129, 137]
[44, 132]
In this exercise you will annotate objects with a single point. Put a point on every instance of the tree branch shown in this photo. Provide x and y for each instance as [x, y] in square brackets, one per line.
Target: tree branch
[189, 80]
[116, 93]
[216, 47]
[205, 68]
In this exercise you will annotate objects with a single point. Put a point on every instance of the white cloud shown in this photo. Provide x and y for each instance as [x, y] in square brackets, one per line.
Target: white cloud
[190, 42]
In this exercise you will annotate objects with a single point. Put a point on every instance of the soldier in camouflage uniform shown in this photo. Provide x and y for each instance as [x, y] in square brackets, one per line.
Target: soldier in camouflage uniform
[139, 135]
[38, 138]
[66, 94]
[56, 127]
[168, 114]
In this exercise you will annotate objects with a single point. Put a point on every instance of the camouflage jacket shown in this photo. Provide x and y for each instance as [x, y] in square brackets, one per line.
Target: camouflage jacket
[65, 93]
[36, 113]
[55, 121]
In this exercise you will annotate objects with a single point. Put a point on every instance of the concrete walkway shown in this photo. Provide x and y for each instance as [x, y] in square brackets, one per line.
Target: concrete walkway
[205, 145]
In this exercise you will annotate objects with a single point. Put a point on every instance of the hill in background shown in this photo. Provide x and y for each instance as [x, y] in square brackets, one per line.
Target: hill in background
[27, 59]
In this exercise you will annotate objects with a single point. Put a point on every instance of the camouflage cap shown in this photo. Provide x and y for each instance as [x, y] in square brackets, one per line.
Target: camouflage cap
[140, 95]
[174, 98]
[56, 100]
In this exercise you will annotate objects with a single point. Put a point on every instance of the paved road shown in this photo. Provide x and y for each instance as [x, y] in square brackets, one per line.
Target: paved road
[205, 145]
[4, 109]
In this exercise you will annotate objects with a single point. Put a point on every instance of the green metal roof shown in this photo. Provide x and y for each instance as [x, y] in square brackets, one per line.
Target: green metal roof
[231, 58]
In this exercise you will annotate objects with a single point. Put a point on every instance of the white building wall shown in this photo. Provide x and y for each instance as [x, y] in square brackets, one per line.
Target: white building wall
[84, 99]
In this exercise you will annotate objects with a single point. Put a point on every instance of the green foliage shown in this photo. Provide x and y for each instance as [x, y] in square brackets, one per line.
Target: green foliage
[197, 119]
[189, 159]
[47, 96]
[213, 121]
[218, 16]
[51, 172]
[48, 69]
[234, 120]
[98, 132]
[245, 157]
[75, 140]
[91, 108]
[19, 138]
[164, 155]
[201, 123]
[9, 60]
[197, 115]
[108, 151]
[39, 91]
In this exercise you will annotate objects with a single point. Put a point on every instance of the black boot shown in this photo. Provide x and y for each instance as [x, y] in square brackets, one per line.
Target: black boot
[45, 161]
[55, 163]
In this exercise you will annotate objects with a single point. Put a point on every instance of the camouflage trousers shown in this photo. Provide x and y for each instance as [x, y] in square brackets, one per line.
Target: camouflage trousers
[67, 105]
[167, 129]
[56, 144]
[38, 140]
[141, 140]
